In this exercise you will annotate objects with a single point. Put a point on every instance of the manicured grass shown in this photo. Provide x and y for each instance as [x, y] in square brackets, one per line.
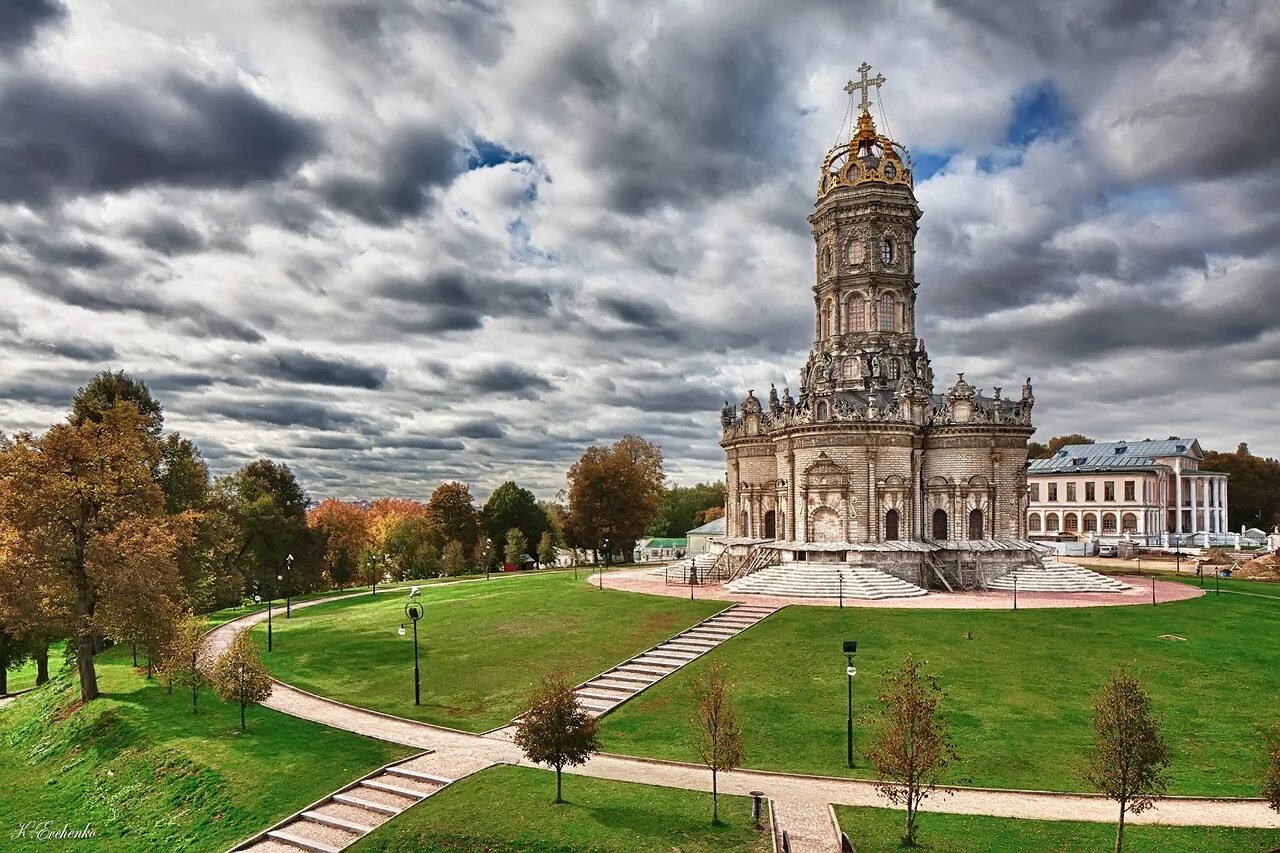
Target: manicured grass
[219, 617]
[880, 831]
[1019, 692]
[146, 774]
[509, 810]
[482, 645]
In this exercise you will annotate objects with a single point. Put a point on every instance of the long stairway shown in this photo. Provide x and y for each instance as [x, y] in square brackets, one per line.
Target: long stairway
[347, 815]
[824, 580]
[1055, 576]
[610, 689]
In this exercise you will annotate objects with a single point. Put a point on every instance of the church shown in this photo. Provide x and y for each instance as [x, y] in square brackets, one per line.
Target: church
[869, 463]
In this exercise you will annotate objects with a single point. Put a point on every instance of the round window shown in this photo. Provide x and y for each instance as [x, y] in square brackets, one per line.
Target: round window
[890, 171]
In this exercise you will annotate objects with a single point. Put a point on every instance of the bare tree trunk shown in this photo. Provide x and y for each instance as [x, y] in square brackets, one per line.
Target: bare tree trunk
[241, 715]
[715, 798]
[1120, 829]
[84, 665]
[42, 663]
[134, 648]
[195, 683]
[4, 681]
[558, 799]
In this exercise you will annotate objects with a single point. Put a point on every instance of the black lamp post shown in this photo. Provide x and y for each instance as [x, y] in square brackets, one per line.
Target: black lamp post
[269, 618]
[1015, 590]
[850, 649]
[840, 578]
[413, 611]
[600, 574]
[288, 587]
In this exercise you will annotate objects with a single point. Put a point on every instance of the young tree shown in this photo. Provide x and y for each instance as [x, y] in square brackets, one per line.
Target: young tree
[716, 732]
[454, 560]
[181, 661]
[68, 498]
[911, 746]
[557, 730]
[240, 676]
[516, 545]
[1271, 782]
[547, 550]
[453, 513]
[1129, 756]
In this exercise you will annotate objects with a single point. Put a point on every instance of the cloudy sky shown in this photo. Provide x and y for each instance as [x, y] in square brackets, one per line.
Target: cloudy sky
[393, 243]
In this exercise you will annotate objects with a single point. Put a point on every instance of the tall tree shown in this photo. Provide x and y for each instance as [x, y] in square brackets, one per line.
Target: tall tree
[268, 509]
[512, 506]
[1254, 484]
[109, 387]
[70, 497]
[547, 550]
[1129, 758]
[451, 511]
[613, 494]
[716, 733]
[342, 535]
[183, 475]
[516, 545]
[681, 508]
[557, 730]
[240, 676]
[911, 747]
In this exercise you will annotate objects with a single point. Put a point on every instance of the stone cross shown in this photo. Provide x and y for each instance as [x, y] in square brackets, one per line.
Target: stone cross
[864, 84]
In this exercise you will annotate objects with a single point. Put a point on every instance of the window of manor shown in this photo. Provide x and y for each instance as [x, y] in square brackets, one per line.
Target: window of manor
[1130, 490]
[1053, 493]
[1109, 490]
[1035, 492]
[1071, 492]
[1090, 493]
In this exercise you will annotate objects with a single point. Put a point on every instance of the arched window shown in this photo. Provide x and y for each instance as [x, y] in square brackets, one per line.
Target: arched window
[826, 259]
[886, 313]
[770, 525]
[1051, 523]
[895, 369]
[1091, 522]
[975, 523]
[939, 524]
[849, 369]
[886, 250]
[828, 318]
[1071, 522]
[823, 413]
[1108, 522]
[746, 529]
[856, 314]
[1033, 522]
[891, 525]
[1129, 522]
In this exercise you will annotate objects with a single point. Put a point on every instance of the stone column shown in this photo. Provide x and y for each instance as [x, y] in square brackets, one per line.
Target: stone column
[1223, 507]
[873, 500]
[791, 514]
[1195, 482]
[1177, 491]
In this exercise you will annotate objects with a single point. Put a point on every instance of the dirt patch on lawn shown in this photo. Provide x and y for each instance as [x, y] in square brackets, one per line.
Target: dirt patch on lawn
[1264, 568]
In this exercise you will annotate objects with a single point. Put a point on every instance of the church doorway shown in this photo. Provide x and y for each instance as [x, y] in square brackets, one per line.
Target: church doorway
[770, 525]
[940, 524]
[891, 525]
[975, 524]
[826, 525]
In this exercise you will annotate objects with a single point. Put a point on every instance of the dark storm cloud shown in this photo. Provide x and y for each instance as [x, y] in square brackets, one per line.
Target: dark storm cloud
[459, 300]
[420, 442]
[505, 380]
[21, 20]
[83, 350]
[479, 429]
[312, 369]
[636, 313]
[52, 392]
[304, 413]
[417, 160]
[169, 237]
[66, 253]
[61, 138]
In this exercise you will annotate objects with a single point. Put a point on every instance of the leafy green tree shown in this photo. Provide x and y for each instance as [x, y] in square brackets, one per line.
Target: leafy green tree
[1037, 450]
[452, 512]
[104, 390]
[516, 545]
[547, 550]
[557, 730]
[409, 543]
[240, 676]
[680, 508]
[512, 506]
[183, 475]
[1129, 759]
[912, 746]
[268, 509]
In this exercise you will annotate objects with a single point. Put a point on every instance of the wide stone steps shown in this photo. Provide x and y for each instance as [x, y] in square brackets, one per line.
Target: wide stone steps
[825, 580]
[1055, 576]
[610, 689]
[349, 814]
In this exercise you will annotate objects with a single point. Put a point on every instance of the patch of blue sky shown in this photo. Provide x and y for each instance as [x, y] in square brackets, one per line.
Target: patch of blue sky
[1038, 111]
[486, 154]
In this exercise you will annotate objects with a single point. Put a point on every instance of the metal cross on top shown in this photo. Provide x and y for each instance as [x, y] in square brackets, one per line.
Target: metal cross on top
[864, 84]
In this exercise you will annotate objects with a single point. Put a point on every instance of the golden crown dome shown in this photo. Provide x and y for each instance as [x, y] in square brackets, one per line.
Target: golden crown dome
[868, 157]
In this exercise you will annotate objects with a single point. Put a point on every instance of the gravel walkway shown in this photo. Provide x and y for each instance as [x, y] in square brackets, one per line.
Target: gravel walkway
[458, 753]
[1166, 591]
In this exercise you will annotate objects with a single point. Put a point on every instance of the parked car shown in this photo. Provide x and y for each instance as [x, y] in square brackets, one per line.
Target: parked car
[1108, 551]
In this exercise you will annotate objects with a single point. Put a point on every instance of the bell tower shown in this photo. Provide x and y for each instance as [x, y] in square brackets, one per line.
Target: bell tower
[864, 229]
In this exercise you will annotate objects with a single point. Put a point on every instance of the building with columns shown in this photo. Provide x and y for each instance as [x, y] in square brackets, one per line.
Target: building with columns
[868, 462]
[1143, 489]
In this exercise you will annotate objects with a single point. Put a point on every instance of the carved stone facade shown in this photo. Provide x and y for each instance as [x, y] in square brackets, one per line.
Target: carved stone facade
[867, 451]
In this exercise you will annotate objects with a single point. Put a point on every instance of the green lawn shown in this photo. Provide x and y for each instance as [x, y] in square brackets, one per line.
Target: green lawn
[880, 831]
[1019, 692]
[509, 810]
[145, 773]
[482, 645]
[25, 675]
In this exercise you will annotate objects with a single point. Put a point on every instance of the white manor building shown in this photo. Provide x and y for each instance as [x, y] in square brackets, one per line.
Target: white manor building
[1142, 489]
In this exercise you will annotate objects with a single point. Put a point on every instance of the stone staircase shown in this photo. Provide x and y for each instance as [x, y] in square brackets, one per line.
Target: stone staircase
[1055, 576]
[823, 580]
[345, 816]
[610, 689]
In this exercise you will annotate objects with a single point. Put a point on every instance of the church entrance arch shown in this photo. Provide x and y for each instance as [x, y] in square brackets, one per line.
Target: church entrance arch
[770, 525]
[940, 524]
[975, 524]
[891, 525]
[825, 523]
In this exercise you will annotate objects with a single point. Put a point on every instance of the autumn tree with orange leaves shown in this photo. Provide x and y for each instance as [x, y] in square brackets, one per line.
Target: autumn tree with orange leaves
[613, 495]
[343, 537]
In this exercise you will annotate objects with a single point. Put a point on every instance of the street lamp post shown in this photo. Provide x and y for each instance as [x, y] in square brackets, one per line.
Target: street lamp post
[850, 649]
[1015, 590]
[413, 612]
[288, 588]
[840, 577]
[269, 619]
[600, 574]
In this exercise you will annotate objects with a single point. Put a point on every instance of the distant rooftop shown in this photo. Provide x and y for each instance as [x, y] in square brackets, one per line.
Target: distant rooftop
[660, 542]
[1117, 456]
[711, 528]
